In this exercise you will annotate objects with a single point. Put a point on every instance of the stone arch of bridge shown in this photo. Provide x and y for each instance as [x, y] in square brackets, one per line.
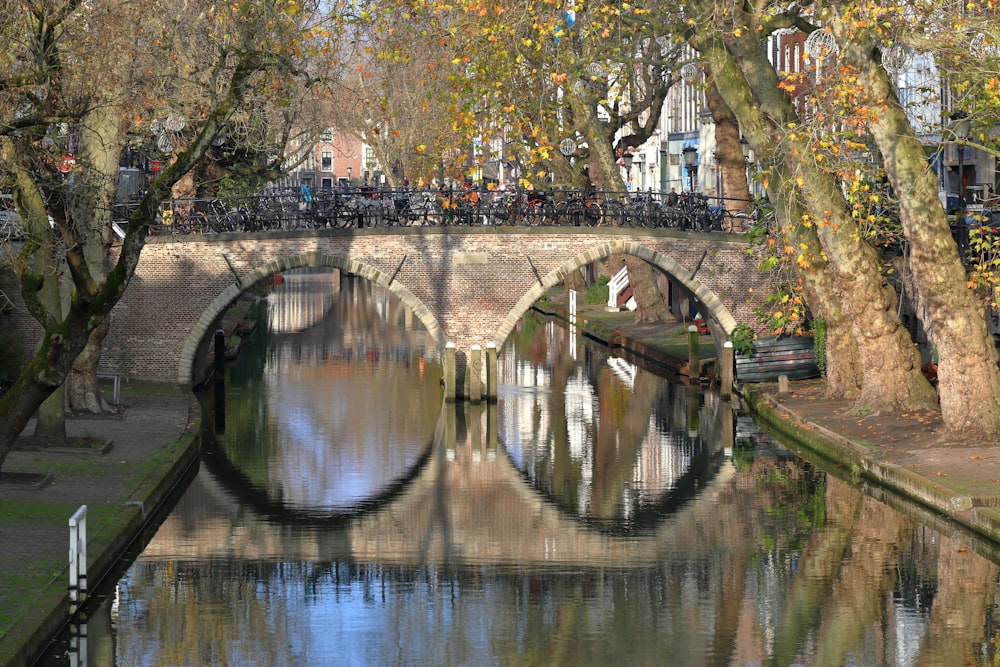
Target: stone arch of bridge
[279, 265]
[717, 315]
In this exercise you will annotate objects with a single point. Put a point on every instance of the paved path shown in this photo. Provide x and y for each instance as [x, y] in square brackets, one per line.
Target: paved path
[152, 440]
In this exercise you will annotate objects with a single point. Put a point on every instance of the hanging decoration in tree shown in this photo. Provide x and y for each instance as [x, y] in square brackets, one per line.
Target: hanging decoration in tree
[165, 131]
[984, 47]
[896, 58]
[567, 146]
[819, 45]
[689, 72]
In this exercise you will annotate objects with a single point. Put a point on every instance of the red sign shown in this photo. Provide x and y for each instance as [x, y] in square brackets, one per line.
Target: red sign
[68, 162]
[156, 166]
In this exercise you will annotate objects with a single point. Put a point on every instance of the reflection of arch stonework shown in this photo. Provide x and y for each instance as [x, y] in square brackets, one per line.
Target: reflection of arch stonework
[467, 285]
[450, 507]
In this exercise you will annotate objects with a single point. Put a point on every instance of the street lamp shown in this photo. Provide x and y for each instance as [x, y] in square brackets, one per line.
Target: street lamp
[961, 125]
[691, 162]
[349, 170]
[627, 163]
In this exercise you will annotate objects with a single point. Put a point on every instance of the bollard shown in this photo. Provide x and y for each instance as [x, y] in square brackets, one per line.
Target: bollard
[727, 434]
[694, 371]
[449, 372]
[476, 442]
[220, 351]
[474, 373]
[782, 384]
[492, 369]
[220, 381]
[727, 371]
[77, 559]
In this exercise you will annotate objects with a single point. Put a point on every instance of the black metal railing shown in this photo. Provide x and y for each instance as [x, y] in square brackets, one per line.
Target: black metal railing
[357, 207]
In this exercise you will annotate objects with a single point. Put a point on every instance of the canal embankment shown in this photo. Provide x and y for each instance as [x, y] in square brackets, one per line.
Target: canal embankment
[149, 448]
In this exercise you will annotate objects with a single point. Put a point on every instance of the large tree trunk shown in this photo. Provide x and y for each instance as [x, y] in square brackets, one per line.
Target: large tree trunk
[101, 137]
[651, 306]
[968, 371]
[843, 363]
[83, 389]
[844, 370]
[51, 417]
[574, 280]
[889, 362]
[735, 189]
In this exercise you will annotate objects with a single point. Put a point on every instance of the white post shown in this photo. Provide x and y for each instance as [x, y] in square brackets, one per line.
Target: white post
[77, 558]
[572, 306]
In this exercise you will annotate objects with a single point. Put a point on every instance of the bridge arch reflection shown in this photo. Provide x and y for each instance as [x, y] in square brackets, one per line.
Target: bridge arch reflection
[463, 483]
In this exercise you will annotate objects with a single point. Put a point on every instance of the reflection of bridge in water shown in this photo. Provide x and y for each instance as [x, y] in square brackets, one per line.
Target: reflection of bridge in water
[467, 503]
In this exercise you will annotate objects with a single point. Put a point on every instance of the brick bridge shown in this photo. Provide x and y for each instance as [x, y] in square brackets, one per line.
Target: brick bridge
[468, 285]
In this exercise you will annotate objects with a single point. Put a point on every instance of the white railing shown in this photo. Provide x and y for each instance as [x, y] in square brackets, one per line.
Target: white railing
[616, 286]
[77, 559]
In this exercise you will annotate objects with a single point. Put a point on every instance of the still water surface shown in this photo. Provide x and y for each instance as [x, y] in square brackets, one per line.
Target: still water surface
[598, 514]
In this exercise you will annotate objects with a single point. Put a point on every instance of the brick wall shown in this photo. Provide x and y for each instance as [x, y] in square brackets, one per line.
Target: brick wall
[468, 286]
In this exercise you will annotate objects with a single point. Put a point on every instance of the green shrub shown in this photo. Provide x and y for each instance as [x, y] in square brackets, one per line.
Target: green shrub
[742, 338]
[819, 343]
[598, 292]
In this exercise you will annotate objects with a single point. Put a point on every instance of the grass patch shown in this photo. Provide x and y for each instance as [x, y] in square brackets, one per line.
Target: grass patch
[598, 292]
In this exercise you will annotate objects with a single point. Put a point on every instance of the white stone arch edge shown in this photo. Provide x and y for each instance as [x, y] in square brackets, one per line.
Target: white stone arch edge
[717, 311]
[189, 350]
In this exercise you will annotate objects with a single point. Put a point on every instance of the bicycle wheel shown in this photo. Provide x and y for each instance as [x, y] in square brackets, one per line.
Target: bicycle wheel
[571, 213]
[546, 213]
[615, 214]
[593, 215]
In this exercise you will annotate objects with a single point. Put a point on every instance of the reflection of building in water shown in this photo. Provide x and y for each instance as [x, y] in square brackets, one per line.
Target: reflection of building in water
[531, 413]
[302, 300]
[314, 315]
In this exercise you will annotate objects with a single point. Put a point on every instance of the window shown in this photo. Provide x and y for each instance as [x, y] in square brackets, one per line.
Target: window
[327, 161]
[327, 183]
[326, 135]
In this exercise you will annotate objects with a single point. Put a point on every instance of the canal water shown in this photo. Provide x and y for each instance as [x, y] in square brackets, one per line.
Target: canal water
[600, 513]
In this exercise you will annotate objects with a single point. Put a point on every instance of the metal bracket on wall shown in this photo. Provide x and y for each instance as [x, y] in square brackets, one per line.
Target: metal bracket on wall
[697, 265]
[533, 269]
[396, 272]
[239, 280]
